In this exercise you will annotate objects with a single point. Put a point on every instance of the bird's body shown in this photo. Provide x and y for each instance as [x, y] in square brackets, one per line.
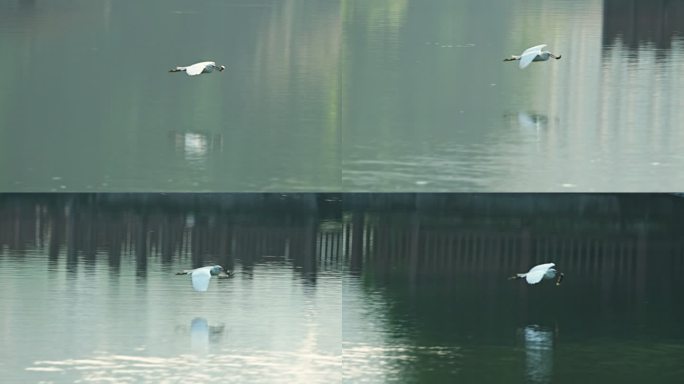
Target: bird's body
[535, 53]
[540, 272]
[199, 68]
[202, 276]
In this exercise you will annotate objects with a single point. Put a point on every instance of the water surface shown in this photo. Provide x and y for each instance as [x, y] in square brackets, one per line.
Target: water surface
[427, 297]
[89, 292]
[341, 96]
[430, 106]
[386, 288]
[87, 103]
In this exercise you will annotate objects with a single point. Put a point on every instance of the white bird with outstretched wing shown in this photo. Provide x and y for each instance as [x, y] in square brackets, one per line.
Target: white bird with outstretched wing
[535, 53]
[539, 273]
[199, 68]
[202, 276]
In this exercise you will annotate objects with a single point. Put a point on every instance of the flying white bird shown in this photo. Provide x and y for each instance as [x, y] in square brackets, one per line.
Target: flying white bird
[540, 272]
[533, 54]
[201, 276]
[199, 68]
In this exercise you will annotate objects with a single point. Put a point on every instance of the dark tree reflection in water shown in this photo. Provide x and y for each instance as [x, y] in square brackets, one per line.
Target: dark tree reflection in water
[357, 287]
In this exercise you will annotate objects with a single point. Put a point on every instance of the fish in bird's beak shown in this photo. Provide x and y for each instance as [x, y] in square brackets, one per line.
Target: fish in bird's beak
[560, 279]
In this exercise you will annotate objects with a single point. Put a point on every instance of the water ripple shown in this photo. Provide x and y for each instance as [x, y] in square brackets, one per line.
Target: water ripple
[260, 366]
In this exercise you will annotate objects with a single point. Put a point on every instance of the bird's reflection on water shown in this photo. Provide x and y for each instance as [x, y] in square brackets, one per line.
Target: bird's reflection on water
[529, 122]
[538, 353]
[202, 334]
[532, 120]
[196, 146]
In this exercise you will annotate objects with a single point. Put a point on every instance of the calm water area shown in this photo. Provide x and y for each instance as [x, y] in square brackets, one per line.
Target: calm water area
[87, 102]
[429, 104]
[89, 291]
[326, 95]
[405, 288]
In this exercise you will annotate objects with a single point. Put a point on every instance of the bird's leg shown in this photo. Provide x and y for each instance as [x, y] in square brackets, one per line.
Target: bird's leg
[175, 70]
[512, 58]
[517, 276]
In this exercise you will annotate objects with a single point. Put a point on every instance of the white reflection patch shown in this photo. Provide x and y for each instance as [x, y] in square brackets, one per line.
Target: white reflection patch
[538, 354]
[196, 145]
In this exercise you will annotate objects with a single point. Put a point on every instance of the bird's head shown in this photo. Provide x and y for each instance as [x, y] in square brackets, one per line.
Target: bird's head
[221, 68]
[216, 269]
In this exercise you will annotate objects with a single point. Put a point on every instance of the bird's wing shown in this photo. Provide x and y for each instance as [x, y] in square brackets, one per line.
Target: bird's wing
[533, 277]
[195, 69]
[542, 267]
[529, 55]
[536, 48]
[200, 279]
